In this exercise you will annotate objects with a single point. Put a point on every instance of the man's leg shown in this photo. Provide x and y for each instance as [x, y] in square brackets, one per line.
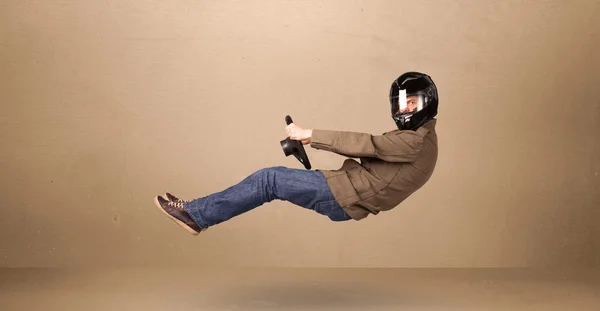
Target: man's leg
[304, 188]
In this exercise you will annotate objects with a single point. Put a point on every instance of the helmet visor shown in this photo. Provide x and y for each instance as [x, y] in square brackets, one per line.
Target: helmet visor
[407, 104]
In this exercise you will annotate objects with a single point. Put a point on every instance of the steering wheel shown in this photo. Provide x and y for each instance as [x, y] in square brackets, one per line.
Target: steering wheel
[295, 147]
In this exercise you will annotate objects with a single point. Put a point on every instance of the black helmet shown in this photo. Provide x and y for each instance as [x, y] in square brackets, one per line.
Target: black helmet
[413, 100]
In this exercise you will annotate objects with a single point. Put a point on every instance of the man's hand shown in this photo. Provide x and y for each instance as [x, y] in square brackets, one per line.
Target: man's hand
[297, 133]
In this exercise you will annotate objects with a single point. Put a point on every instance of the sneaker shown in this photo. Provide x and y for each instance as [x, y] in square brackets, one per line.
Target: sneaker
[174, 210]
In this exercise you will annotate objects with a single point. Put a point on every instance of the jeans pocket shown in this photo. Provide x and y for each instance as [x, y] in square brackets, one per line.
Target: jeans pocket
[331, 209]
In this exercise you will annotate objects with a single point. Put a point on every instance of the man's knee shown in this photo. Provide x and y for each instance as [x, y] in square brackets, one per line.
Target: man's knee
[267, 175]
[266, 179]
[270, 171]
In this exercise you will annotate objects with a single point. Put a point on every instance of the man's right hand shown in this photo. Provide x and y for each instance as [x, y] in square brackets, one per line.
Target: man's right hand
[297, 133]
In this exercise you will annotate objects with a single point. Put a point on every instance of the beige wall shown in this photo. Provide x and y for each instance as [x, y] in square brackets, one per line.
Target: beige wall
[108, 103]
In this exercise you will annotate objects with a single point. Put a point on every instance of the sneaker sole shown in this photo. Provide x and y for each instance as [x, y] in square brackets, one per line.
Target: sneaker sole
[177, 221]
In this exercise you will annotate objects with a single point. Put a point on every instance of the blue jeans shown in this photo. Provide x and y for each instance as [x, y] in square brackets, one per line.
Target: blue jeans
[305, 188]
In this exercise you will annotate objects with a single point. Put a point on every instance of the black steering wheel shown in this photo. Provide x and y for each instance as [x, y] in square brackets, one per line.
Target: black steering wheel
[295, 147]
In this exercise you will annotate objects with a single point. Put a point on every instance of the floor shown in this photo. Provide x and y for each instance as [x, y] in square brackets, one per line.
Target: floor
[299, 289]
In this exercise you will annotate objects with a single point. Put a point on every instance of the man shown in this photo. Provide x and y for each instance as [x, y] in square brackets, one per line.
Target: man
[392, 167]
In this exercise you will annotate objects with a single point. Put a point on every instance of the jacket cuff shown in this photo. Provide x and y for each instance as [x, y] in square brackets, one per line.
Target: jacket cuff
[322, 139]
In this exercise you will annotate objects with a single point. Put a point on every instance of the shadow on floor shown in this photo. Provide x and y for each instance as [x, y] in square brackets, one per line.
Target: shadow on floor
[305, 295]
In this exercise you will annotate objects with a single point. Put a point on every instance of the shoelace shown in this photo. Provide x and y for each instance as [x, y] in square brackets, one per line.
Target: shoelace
[178, 205]
[179, 200]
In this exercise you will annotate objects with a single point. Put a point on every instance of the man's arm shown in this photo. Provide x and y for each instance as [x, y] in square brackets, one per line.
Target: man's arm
[393, 147]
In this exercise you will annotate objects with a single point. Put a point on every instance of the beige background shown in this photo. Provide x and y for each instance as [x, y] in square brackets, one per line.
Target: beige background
[106, 104]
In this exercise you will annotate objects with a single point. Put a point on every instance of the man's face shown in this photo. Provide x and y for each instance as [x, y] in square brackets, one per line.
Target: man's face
[412, 103]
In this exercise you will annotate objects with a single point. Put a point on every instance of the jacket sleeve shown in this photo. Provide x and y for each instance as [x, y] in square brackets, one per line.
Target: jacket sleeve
[398, 146]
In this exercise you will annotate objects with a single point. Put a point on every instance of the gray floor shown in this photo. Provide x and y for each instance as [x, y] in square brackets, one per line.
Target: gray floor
[299, 289]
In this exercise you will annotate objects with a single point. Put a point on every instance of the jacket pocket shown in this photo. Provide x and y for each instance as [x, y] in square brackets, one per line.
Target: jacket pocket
[361, 183]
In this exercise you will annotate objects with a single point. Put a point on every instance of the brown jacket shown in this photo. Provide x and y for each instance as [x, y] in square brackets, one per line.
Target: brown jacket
[393, 166]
